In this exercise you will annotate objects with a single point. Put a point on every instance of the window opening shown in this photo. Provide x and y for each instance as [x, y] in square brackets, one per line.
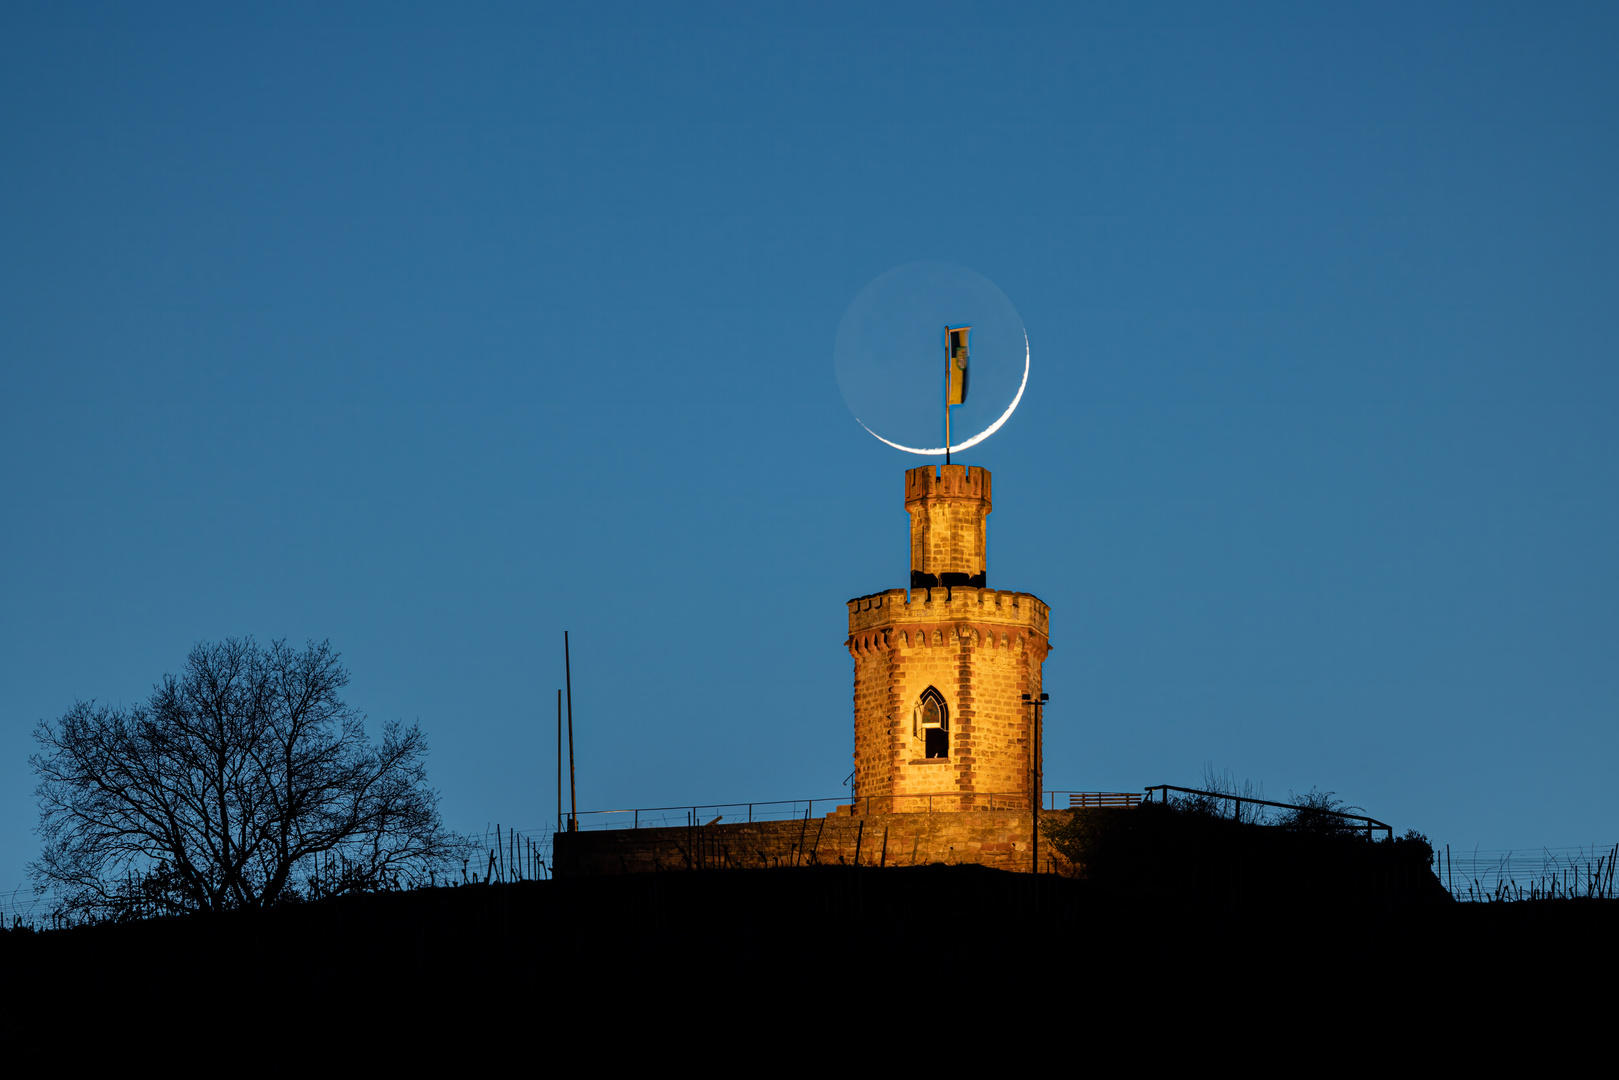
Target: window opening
[930, 721]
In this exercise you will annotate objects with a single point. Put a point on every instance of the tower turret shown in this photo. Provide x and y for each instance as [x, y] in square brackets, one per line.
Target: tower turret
[948, 505]
[940, 673]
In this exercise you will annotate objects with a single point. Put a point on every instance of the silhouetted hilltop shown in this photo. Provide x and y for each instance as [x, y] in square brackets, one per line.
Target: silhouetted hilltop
[1189, 859]
[1164, 903]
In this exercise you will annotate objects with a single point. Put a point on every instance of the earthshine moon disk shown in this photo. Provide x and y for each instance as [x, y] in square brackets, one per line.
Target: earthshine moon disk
[982, 435]
[889, 358]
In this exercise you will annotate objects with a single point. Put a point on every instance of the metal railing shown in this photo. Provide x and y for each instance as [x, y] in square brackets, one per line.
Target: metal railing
[664, 817]
[1078, 800]
[1238, 801]
[940, 801]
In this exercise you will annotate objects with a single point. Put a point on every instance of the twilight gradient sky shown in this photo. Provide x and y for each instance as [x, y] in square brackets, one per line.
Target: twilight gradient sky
[437, 330]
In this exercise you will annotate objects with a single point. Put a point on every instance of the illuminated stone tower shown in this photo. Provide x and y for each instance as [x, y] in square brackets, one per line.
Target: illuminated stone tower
[939, 675]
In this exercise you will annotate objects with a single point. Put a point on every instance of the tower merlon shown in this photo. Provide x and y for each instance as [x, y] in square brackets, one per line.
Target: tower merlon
[955, 482]
[941, 604]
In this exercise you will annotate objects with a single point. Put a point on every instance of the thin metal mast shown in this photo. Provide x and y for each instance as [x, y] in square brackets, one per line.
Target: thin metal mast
[573, 792]
[559, 758]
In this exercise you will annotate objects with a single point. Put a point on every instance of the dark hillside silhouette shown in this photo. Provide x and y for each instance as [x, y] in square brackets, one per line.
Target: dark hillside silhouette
[445, 962]
[1175, 912]
[1188, 855]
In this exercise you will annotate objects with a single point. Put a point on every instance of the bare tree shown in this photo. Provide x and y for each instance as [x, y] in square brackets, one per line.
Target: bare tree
[243, 782]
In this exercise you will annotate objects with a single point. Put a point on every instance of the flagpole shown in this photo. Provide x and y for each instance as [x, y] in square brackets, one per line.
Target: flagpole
[947, 395]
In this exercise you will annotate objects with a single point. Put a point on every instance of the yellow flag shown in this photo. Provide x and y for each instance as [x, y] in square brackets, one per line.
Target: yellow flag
[956, 392]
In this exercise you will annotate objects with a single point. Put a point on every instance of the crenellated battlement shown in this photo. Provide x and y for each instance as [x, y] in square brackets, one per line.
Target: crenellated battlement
[948, 482]
[945, 604]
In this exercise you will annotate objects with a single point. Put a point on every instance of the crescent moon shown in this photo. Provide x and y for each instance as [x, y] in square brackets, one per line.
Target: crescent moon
[982, 435]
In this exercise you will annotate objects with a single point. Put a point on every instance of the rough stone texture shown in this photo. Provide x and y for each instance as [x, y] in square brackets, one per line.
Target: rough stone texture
[948, 505]
[988, 838]
[982, 649]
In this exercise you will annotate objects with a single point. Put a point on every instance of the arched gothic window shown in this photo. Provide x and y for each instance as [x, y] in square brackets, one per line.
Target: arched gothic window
[930, 722]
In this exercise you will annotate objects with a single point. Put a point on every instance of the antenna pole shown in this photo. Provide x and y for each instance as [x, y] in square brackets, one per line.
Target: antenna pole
[559, 761]
[573, 793]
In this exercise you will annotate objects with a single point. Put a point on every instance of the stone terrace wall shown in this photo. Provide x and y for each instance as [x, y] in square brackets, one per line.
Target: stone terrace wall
[987, 838]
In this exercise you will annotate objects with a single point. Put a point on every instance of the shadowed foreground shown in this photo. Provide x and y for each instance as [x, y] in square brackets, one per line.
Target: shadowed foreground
[742, 940]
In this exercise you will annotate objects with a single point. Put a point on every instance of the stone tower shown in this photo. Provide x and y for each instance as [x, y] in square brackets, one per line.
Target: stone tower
[939, 675]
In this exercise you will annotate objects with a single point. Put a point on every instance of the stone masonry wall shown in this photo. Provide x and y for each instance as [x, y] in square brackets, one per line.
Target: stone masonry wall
[989, 838]
[982, 650]
[948, 505]
[873, 696]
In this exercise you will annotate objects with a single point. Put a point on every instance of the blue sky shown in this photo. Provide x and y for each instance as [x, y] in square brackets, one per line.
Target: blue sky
[435, 331]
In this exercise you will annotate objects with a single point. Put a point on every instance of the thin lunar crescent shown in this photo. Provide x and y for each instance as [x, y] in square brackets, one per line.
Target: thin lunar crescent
[982, 435]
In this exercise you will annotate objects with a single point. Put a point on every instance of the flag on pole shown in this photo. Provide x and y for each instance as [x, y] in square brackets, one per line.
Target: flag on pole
[956, 391]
